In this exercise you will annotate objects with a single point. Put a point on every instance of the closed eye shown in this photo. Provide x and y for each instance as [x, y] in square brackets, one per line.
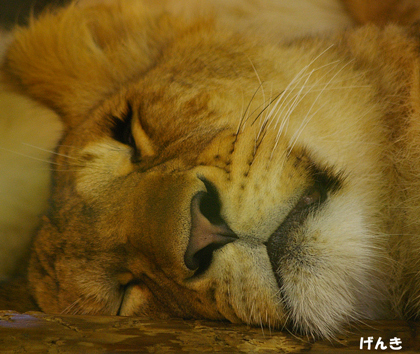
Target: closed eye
[122, 129]
[127, 129]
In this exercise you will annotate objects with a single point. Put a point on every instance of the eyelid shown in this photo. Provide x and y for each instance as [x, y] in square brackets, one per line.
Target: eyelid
[143, 142]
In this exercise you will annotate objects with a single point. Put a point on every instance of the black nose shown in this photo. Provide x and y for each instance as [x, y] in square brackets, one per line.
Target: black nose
[209, 231]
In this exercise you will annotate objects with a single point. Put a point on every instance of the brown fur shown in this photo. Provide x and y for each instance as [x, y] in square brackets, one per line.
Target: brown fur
[275, 130]
[384, 11]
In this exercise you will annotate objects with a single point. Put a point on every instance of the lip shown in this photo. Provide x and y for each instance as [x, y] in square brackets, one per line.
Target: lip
[280, 244]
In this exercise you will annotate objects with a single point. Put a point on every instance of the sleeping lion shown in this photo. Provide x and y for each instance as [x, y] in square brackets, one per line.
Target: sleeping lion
[204, 171]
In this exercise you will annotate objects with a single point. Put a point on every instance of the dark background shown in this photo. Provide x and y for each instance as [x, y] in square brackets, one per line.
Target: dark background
[18, 11]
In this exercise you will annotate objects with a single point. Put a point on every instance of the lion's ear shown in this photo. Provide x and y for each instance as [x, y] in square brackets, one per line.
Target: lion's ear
[72, 59]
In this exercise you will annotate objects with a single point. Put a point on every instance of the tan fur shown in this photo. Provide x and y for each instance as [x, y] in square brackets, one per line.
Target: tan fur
[273, 20]
[28, 157]
[275, 130]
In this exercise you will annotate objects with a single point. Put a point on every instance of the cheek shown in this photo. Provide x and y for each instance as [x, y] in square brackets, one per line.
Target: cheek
[45, 289]
[99, 164]
[336, 264]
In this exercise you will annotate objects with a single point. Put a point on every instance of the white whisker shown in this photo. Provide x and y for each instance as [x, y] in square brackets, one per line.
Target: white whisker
[304, 124]
[307, 117]
[28, 156]
[297, 98]
[49, 151]
[242, 113]
[259, 79]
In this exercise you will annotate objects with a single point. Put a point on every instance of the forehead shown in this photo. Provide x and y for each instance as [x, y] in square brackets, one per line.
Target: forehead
[307, 93]
[198, 82]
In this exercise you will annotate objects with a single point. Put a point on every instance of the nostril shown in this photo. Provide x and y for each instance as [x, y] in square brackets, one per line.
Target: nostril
[210, 208]
[210, 203]
[209, 231]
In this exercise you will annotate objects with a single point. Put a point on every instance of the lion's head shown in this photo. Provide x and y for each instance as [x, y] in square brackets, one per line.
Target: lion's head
[205, 175]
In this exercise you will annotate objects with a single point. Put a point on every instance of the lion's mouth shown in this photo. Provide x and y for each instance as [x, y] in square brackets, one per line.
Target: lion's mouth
[284, 243]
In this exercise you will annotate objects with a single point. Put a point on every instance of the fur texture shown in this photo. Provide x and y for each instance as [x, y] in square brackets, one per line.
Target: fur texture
[26, 164]
[383, 12]
[206, 173]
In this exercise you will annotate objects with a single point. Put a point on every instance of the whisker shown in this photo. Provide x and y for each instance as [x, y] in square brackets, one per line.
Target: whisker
[292, 105]
[268, 105]
[70, 307]
[291, 109]
[28, 156]
[300, 76]
[259, 79]
[302, 128]
[262, 326]
[306, 120]
[243, 120]
[242, 112]
[49, 151]
[289, 89]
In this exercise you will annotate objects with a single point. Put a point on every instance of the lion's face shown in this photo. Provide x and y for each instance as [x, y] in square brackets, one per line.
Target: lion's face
[224, 181]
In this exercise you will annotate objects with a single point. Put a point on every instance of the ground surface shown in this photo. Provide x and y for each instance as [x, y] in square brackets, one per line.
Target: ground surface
[40, 333]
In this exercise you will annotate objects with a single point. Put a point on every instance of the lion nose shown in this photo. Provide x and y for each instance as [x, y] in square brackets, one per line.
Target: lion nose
[209, 231]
